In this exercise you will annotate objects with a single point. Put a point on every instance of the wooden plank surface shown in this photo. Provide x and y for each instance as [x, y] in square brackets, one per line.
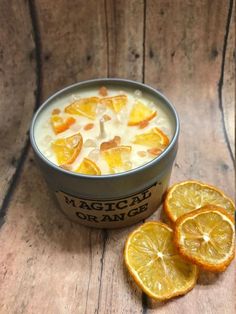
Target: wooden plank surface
[228, 87]
[185, 49]
[17, 89]
[187, 66]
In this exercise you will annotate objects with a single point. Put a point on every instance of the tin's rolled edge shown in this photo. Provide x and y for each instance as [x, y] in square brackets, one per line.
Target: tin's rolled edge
[111, 81]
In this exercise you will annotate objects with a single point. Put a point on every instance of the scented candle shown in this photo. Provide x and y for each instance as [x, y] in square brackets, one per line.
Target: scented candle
[103, 130]
[106, 148]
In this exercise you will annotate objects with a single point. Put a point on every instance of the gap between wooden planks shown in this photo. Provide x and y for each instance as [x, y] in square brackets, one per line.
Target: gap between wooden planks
[182, 47]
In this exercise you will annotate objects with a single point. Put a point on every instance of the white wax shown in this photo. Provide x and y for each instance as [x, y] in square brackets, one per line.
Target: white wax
[117, 126]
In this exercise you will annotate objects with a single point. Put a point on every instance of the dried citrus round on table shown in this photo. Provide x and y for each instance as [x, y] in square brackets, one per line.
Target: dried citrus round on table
[115, 103]
[186, 196]
[60, 124]
[153, 138]
[154, 263]
[140, 113]
[68, 148]
[87, 166]
[118, 158]
[84, 107]
[206, 237]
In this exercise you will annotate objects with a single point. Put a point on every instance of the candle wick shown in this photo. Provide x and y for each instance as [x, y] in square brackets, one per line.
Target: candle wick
[102, 128]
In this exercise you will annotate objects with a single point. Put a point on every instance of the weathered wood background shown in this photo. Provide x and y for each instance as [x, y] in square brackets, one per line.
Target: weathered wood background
[186, 49]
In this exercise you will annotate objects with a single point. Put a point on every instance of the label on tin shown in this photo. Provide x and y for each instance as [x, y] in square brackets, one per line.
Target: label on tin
[112, 212]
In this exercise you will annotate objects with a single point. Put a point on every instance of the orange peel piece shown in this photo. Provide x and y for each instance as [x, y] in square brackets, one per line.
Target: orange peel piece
[56, 111]
[116, 103]
[60, 124]
[103, 91]
[84, 107]
[140, 113]
[154, 138]
[88, 166]
[154, 151]
[67, 149]
[110, 144]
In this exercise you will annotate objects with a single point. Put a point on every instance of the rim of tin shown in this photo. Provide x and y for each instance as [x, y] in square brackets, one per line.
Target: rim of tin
[115, 175]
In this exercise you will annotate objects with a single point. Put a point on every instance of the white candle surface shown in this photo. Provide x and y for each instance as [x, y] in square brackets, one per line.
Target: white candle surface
[109, 131]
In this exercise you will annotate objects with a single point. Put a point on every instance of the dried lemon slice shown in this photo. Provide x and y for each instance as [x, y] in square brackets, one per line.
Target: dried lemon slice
[115, 103]
[87, 166]
[85, 107]
[59, 124]
[117, 158]
[140, 113]
[154, 138]
[154, 263]
[206, 237]
[186, 196]
[67, 149]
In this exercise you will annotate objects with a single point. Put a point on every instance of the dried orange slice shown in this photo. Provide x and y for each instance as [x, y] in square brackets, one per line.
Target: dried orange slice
[117, 158]
[140, 113]
[115, 103]
[154, 263]
[87, 166]
[186, 196]
[67, 149]
[154, 138]
[206, 237]
[84, 107]
[60, 124]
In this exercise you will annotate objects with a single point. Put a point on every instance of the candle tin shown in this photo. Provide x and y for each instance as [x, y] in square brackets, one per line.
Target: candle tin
[116, 200]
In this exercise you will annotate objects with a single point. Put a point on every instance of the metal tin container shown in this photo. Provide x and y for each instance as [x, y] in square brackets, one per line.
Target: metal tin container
[117, 200]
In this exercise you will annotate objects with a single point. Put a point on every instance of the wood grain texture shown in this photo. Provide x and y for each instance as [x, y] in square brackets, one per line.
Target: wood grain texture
[17, 89]
[50, 265]
[118, 294]
[228, 88]
[184, 59]
[125, 27]
[73, 40]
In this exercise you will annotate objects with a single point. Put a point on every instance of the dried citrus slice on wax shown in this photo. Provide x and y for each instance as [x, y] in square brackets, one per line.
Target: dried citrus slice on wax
[186, 196]
[118, 158]
[154, 138]
[206, 237]
[85, 107]
[67, 149]
[60, 124]
[87, 166]
[154, 263]
[115, 103]
[140, 113]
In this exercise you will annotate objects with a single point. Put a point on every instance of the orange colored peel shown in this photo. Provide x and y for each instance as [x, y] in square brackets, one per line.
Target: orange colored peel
[60, 124]
[110, 144]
